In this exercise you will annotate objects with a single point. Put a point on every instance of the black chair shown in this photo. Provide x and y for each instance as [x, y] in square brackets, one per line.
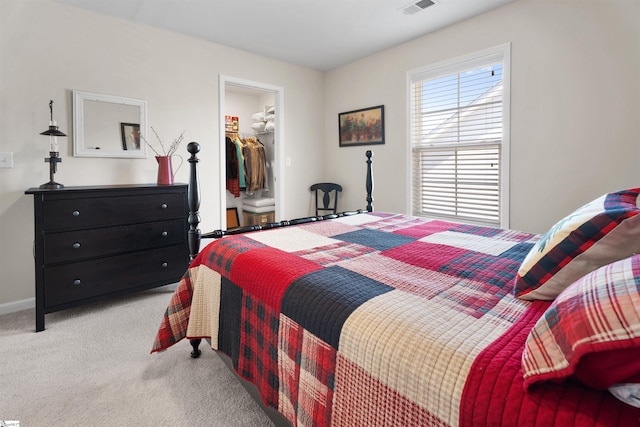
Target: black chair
[326, 188]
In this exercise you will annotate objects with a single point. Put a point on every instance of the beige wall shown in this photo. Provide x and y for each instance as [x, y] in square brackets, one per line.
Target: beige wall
[575, 115]
[48, 49]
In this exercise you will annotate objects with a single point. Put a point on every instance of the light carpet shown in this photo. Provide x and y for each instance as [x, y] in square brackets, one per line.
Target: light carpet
[92, 366]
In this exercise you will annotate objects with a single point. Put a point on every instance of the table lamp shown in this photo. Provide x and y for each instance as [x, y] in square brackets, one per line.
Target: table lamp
[54, 155]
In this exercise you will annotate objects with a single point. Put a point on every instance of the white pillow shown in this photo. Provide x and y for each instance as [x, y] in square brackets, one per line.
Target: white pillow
[601, 232]
[628, 393]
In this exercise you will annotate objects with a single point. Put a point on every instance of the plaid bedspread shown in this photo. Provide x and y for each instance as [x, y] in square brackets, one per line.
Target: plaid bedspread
[379, 320]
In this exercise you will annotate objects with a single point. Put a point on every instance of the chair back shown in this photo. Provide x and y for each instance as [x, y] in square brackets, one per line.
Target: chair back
[324, 197]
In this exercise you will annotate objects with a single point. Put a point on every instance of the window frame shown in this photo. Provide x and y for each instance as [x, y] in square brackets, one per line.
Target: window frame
[456, 65]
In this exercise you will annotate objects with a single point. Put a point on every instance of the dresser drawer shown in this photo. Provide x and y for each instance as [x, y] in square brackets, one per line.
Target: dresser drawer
[70, 214]
[83, 244]
[68, 283]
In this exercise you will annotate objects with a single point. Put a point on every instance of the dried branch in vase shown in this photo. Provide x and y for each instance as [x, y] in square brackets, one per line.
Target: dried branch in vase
[173, 147]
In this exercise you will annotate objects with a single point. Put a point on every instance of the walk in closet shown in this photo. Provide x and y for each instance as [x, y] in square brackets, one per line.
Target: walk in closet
[249, 161]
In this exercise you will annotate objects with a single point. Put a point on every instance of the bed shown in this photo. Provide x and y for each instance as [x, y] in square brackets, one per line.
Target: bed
[384, 319]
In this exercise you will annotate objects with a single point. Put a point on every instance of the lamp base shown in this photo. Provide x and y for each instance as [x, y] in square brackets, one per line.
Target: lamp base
[52, 185]
[53, 161]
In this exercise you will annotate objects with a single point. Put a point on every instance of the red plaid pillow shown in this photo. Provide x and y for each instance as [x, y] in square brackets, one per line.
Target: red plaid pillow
[599, 233]
[591, 332]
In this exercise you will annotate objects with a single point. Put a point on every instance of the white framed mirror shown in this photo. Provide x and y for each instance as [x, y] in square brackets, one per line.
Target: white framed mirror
[108, 126]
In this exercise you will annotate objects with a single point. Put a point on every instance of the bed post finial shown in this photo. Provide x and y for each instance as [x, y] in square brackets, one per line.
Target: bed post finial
[369, 154]
[194, 201]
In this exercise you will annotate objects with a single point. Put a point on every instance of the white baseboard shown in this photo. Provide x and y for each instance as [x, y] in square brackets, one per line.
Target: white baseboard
[12, 307]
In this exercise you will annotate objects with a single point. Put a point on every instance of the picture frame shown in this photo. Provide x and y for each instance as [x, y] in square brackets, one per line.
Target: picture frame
[361, 127]
[130, 135]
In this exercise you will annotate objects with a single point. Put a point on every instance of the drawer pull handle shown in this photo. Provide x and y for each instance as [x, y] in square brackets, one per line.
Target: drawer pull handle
[76, 213]
[165, 265]
[165, 234]
[164, 206]
[77, 282]
[76, 245]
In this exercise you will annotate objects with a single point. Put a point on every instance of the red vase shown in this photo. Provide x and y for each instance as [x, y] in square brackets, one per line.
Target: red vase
[165, 170]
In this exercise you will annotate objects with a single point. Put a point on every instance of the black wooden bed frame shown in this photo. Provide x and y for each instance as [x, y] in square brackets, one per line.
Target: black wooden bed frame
[195, 236]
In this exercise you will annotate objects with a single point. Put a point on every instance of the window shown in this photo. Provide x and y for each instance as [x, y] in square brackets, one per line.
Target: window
[459, 138]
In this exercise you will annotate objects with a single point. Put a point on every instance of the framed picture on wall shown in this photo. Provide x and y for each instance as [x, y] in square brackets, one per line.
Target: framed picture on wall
[130, 134]
[361, 127]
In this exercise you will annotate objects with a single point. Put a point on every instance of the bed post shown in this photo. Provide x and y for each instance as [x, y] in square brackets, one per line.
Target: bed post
[369, 184]
[194, 234]
[194, 201]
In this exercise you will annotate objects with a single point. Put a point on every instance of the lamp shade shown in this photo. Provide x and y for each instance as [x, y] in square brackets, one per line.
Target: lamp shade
[53, 131]
[53, 126]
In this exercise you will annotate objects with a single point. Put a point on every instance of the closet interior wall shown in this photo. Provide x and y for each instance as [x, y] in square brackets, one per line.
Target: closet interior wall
[244, 104]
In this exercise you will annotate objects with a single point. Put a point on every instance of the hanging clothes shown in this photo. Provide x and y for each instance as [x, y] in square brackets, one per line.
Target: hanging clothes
[246, 164]
[235, 164]
[232, 159]
[268, 164]
[241, 163]
[255, 164]
[233, 176]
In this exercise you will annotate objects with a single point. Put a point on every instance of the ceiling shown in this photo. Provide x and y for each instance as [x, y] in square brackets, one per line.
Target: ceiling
[319, 34]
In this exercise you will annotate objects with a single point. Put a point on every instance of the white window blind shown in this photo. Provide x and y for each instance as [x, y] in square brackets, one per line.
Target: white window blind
[457, 140]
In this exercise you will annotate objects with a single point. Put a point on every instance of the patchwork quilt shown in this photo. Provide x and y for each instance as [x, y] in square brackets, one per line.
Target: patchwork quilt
[379, 319]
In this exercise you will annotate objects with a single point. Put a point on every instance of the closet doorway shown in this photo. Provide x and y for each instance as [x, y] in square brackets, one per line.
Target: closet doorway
[243, 100]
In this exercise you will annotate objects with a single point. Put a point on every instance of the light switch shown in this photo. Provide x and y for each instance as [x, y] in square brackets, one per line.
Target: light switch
[6, 160]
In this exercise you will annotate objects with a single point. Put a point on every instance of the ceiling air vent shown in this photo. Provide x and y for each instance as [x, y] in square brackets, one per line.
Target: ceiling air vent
[412, 8]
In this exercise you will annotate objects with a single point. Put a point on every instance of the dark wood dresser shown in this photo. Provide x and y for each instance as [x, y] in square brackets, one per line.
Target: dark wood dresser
[94, 243]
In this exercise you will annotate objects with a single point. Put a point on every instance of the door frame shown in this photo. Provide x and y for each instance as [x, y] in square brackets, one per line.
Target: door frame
[278, 139]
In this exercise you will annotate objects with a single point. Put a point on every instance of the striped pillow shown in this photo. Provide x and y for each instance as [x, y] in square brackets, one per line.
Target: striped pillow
[591, 332]
[599, 233]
